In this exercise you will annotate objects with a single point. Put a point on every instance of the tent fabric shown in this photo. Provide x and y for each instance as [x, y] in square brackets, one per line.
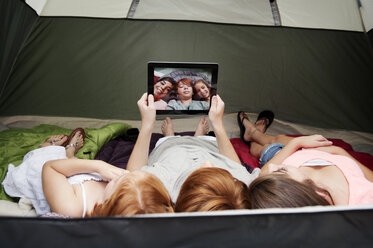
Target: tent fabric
[370, 35]
[16, 22]
[367, 14]
[255, 12]
[322, 227]
[86, 8]
[37, 5]
[283, 69]
[331, 14]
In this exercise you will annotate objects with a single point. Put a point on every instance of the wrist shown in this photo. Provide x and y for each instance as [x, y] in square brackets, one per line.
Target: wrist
[147, 126]
[295, 144]
[146, 129]
[219, 130]
[216, 126]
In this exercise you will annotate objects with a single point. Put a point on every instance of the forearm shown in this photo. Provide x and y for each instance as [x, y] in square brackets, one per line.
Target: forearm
[224, 144]
[140, 152]
[285, 152]
[69, 167]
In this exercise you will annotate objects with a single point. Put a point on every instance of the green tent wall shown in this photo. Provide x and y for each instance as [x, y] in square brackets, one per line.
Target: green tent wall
[96, 67]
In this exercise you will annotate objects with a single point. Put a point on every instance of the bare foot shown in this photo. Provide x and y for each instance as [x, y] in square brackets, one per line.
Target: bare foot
[249, 127]
[55, 140]
[260, 125]
[75, 144]
[202, 127]
[167, 127]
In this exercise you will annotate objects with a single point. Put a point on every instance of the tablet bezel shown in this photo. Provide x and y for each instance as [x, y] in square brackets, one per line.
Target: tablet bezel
[213, 67]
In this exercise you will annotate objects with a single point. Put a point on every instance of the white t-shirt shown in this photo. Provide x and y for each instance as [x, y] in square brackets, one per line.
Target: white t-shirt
[177, 157]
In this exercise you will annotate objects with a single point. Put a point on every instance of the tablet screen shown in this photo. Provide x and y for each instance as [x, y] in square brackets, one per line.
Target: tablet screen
[182, 88]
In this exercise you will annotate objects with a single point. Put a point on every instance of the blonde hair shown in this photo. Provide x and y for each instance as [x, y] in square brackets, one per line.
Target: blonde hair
[281, 191]
[211, 189]
[142, 195]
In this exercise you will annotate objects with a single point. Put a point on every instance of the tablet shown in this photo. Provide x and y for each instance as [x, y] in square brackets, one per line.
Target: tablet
[182, 87]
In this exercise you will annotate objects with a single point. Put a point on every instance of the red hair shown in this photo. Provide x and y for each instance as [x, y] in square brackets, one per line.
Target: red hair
[211, 189]
[186, 81]
[142, 195]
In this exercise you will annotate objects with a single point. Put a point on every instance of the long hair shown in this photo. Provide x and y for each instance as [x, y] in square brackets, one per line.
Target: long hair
[211, 189]
[142, 195]
[195, 95]
[281, 191]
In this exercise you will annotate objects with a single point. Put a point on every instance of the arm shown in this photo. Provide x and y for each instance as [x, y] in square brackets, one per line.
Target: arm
[312, 141]
[140, 153]
[59, 193]
[216, 118]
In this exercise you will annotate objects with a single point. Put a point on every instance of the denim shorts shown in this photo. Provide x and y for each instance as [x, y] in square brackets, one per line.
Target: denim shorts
[269, 152]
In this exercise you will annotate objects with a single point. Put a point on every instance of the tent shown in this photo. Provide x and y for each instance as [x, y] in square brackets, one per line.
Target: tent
[282, 55]
[311, 62]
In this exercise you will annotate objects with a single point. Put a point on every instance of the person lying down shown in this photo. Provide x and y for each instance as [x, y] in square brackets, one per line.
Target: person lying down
[56, 181]
[296, 171]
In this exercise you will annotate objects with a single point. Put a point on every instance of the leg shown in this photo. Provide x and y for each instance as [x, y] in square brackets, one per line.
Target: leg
[202, 127]
[167, 127]
[256, 149]
[57, 140]
[253, 133]
[74, 145]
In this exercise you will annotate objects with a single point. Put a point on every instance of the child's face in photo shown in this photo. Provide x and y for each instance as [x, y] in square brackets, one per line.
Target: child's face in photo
[184, 91]
[202, 90]
[161, 89]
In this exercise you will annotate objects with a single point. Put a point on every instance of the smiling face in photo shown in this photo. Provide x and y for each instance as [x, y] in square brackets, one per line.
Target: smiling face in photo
[161, 89]
[201, 89]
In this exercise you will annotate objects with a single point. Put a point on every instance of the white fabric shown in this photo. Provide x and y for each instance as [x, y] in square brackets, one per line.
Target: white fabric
[25, 180]
[84, 200]
[223, 11]
[328, 14]
[79, 178]
[37, 5]
[318, 162]
[367, 13]
[87, 8]
[177, 157]
[21, 208]
[163, 139]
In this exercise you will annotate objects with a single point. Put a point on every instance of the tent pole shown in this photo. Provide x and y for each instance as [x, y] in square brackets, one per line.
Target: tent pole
[132, 10]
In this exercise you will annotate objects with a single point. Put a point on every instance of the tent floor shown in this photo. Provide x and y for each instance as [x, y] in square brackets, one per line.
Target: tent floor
[360, 141]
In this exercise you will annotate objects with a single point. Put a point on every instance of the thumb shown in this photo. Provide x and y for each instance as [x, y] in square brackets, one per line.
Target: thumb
[214, 101]
[150, 100]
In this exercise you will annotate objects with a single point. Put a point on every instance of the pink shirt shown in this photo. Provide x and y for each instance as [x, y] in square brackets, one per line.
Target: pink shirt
[360, 189]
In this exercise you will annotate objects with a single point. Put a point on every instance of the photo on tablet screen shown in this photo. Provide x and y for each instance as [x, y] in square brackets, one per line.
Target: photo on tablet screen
[182, 88]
